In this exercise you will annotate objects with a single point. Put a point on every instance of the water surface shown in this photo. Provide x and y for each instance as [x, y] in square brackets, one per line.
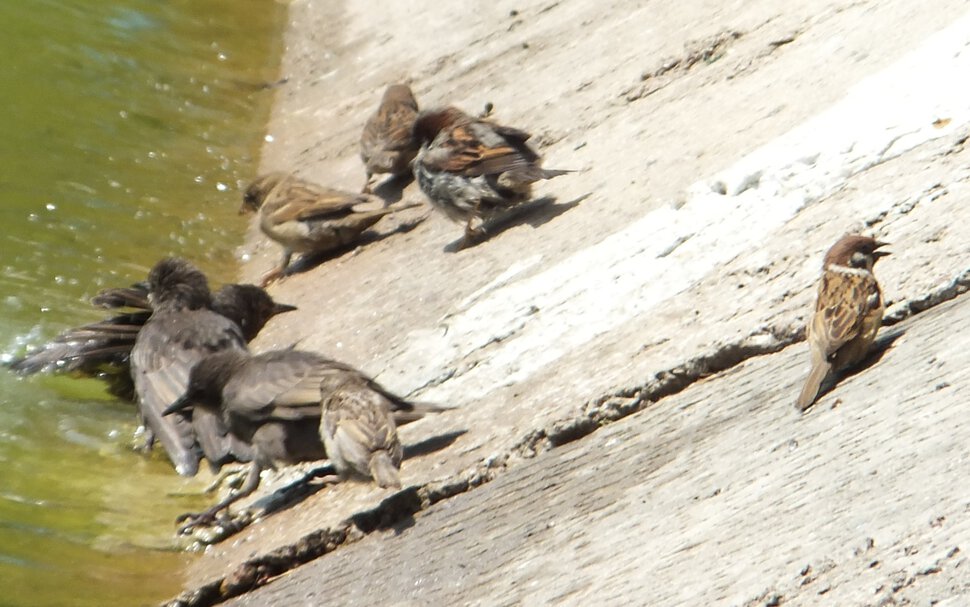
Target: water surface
[129, 127]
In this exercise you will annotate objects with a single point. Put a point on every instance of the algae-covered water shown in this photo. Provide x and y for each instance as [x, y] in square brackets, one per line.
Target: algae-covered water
[128, 128]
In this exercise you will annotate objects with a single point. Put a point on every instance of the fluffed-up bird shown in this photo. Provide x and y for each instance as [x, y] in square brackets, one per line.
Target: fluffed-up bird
[387, 143]
[359, 432]
[182, 330]
[274, 402]
[472, 169]
[848, 312]
[307, 218]
[102, 349]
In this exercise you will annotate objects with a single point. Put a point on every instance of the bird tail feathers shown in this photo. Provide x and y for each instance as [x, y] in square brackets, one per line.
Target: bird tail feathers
[820, 370]
[384, 471]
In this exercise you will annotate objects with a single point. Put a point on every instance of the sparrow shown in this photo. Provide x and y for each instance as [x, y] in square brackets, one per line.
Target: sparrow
[848, 312]
[472, 169]
[274, 402]
[387, 143]
[102, 349]
[308, 218]
[359, 432]
[181, 331]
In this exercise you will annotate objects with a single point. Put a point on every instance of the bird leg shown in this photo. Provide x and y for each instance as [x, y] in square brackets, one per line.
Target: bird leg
[366, 189]
[232, 477]
[277, 272]
[472, 234]
[192, 520]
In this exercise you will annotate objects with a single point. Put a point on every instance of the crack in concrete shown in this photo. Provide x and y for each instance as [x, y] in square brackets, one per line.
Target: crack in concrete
[397, 511]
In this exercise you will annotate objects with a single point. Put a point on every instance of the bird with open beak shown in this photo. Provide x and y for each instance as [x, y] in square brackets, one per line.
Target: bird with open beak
[848, 312]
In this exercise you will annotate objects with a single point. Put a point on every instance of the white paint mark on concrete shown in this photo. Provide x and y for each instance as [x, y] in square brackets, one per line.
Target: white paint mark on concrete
[517, 328]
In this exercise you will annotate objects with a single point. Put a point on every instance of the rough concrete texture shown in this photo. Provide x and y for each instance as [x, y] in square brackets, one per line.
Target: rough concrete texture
[720, 495]
[720, 149]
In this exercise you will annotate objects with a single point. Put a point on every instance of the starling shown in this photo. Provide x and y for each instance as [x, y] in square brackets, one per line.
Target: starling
[274, 402]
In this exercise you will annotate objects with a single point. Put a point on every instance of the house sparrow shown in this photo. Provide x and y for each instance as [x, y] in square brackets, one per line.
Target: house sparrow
[307, 218]
[359, 432]
[387, 144]
[181, 331]
[102, 349]
[472, 169]
[274, 402]
[848, 312]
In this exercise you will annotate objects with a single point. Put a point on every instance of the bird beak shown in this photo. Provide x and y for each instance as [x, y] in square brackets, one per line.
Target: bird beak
[878, 254]
[184, 402]
[279, 308]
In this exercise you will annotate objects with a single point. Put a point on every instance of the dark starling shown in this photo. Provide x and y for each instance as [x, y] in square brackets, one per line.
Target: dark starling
[182, 330]
[102, 349]
[274, 402]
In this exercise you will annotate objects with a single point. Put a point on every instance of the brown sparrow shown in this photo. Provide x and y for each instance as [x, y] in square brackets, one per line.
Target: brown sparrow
[387, 144]
[848, 312]
[307, 218]
[358, 431]
[472, 169]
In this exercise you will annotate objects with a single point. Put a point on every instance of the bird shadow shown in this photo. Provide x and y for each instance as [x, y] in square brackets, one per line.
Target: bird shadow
[432, 444]
[535, 213]
[299, 490]
[309, 261]
[879, 348]
[392, 190]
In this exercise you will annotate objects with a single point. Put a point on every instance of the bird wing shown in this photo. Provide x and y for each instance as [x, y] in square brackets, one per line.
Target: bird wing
[481, 148]
[844, 301]
[357, 420]
[135, 296]
[165, 351]
[299, 200]
[277, 384]
[391, 128]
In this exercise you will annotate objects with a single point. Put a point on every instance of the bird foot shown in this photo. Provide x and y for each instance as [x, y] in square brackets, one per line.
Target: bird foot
[227, 478]
[190, 521]
[207, 527]
[271, 276]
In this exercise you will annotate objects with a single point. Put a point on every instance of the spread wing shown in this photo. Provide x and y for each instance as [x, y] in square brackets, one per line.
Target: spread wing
[480, 148]
[166, 349]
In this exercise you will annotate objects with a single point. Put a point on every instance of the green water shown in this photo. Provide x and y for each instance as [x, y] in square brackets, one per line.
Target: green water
[128, 128]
